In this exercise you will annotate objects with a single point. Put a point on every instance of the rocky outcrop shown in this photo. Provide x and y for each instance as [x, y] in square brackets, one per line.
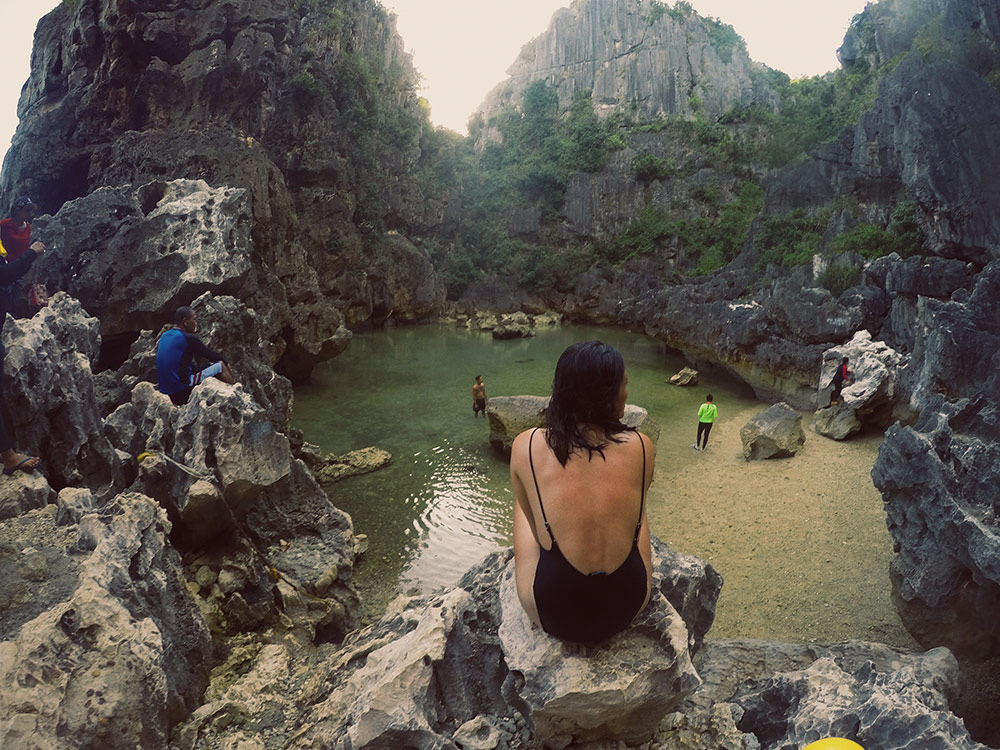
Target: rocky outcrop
[780, 695]
[636, 55]
[121, 654]
[774, 433]
[49, 394]
[363, 461]
[612, 692]
[511, 415]
[869, 399]
[687, 376]
[935, 477]
[434, 673]
[256, 101]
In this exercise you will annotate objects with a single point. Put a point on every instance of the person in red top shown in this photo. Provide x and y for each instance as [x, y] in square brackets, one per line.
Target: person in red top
[841, 376]
[15, 232]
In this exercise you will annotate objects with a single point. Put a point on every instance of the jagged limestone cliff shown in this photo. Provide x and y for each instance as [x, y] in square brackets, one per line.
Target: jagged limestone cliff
[309, 106]
[635, 55]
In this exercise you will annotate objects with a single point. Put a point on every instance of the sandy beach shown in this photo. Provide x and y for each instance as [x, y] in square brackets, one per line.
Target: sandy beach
[801, 542]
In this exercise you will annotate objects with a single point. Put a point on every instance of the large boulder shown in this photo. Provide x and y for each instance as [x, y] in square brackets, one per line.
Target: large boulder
[870, 399]
[210, 458]
[49, 394]
[774, 433]
[122, 656]
[511, 415]
[616, 691]
[133, 255]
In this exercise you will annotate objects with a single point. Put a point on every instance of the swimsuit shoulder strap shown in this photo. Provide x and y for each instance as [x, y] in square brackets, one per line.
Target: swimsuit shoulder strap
[642, 489]
[538, 492]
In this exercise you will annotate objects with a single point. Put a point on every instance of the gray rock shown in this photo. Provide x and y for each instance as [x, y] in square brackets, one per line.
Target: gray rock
[904, 706]
[687, 376]
[129, 630]
[363, 461]
[617, 691]
[839, 421]
[936, 480]
[49, 394]
[220, 436]
[774, 433]
[511, 415]
[477, 734]
[184, 231]
[22, 492]
[870, 398]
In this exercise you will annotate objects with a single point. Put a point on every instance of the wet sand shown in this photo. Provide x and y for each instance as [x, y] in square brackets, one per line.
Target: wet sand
[801, 542]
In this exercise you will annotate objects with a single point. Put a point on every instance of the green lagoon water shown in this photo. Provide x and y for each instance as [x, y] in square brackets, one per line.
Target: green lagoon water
[444, 502]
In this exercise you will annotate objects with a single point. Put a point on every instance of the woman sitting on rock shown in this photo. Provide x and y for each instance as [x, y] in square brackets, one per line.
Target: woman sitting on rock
[581, 539]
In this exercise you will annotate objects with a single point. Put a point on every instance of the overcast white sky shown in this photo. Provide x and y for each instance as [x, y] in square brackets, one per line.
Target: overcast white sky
[463, 48]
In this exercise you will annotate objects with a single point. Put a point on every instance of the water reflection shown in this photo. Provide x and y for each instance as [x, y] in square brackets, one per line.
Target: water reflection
[444, 501]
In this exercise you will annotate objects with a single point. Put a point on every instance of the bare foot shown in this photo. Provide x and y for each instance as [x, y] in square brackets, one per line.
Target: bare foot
[13, 461]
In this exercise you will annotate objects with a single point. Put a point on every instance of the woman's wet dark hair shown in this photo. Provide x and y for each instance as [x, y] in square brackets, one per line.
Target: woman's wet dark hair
[585, 391]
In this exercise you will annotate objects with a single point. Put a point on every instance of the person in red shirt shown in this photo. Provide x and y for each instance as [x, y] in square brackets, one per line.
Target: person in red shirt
[15, 232]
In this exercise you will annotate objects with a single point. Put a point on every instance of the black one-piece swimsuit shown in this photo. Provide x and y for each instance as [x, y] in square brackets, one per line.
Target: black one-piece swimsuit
[587, 608]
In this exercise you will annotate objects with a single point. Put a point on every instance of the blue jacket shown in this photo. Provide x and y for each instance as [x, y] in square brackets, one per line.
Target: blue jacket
[174, 354]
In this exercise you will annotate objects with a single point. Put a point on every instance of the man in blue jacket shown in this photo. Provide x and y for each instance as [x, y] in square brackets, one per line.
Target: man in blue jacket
[10, 273]
[175, 353]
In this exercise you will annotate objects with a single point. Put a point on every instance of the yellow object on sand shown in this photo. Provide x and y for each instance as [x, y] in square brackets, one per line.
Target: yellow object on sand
[833, 743]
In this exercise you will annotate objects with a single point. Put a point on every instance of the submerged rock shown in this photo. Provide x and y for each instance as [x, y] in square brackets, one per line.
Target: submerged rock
[363, 461]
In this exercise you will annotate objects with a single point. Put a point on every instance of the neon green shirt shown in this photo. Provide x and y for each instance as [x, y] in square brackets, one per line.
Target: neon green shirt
[707, 412]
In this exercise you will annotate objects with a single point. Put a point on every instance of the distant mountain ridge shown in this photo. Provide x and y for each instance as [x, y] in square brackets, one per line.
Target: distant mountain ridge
[643, 56]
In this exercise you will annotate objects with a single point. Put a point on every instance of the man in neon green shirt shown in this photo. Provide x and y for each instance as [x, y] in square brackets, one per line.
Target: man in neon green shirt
[706, 417]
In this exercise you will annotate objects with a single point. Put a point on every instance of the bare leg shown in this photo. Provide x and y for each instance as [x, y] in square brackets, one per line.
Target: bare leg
[226, 376]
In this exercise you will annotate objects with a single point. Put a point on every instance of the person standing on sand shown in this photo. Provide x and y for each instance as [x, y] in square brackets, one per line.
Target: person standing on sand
[706, 418]
[479, 396]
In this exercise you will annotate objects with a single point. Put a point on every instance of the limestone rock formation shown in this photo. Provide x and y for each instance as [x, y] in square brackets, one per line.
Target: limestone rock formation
[634, 54]
[220, 438]
[611, 692]
[120, 655]
[511, 415]
[431, 666]
[687, 376]
[362, 461]
[49, 394]
[432, 671]
[774, 433]
[935, 477]
[875, 695]
[255, 101]
[870, 398]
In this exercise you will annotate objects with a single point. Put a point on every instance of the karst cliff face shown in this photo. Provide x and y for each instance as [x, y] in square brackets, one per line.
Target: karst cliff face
[308, 106]
[634, 55]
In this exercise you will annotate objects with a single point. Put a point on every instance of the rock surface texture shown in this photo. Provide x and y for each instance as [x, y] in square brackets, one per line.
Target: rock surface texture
[248, 103]
[774, 433]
